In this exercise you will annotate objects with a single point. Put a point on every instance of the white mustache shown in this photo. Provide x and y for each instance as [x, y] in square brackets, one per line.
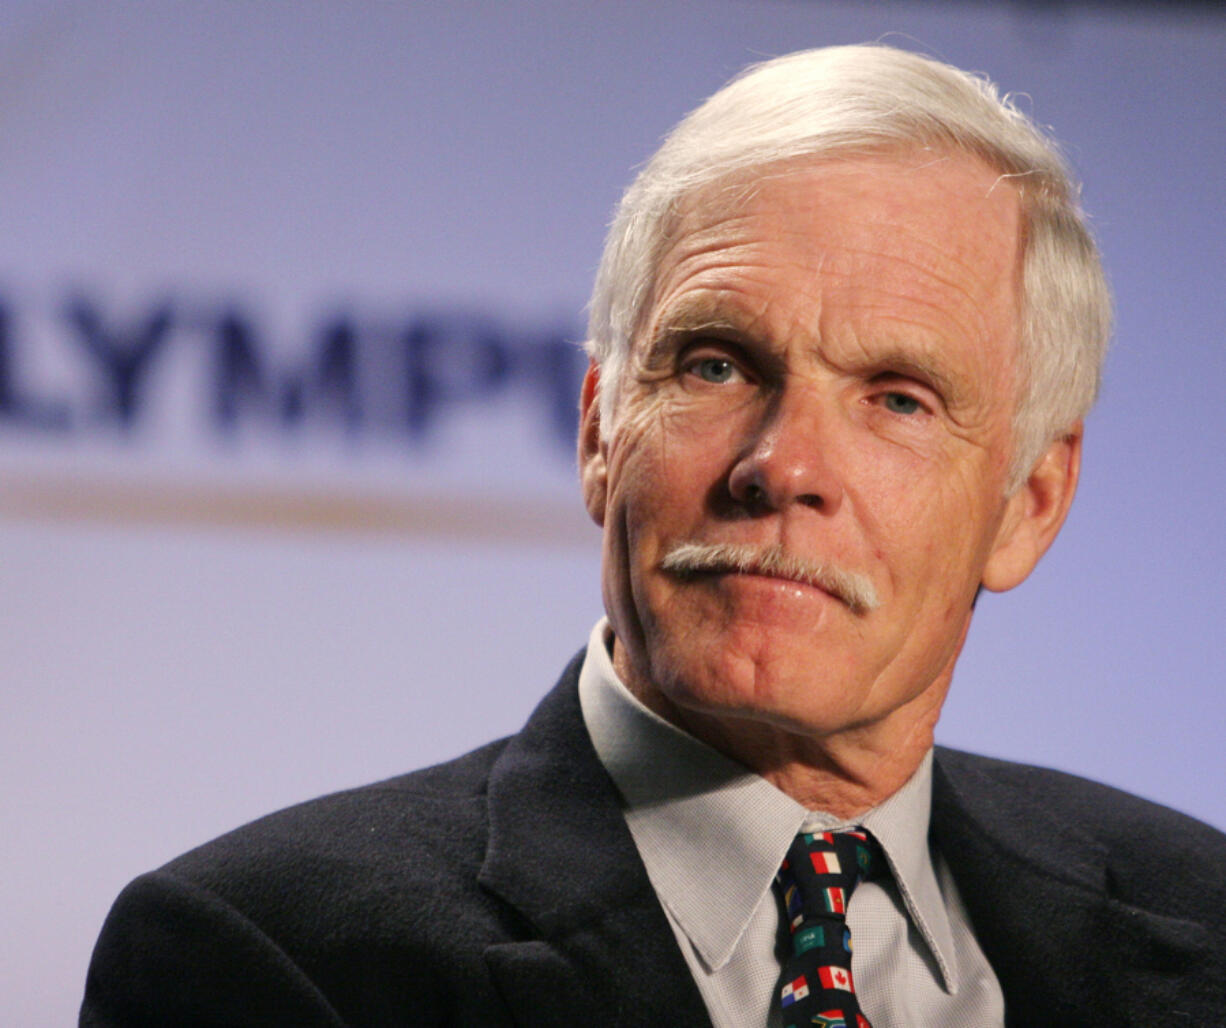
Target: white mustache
[853, 588]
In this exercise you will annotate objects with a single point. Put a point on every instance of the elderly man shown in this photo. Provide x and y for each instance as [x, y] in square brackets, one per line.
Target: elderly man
[846, 327]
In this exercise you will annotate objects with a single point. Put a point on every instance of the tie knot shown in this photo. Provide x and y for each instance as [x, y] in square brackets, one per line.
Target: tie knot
[823, 868]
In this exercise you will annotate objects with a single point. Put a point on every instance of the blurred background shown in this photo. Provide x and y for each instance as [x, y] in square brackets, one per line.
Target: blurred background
[289, 299]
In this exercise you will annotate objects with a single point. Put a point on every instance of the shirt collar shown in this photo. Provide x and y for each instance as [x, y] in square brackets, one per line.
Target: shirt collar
[706, 826]
[900, 824]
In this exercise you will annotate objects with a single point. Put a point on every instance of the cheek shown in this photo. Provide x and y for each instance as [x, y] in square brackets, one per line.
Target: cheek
[663, 463]
[637, 470]
[961, 525]
[891, 494]
[929, 522]
[650, 504]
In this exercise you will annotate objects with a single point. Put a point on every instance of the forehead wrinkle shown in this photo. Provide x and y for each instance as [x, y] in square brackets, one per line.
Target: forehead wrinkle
[972, 275]
[965, 309]
[727, 285]
[686, 243]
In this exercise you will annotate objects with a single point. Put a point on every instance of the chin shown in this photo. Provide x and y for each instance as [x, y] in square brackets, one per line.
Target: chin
[783, 693]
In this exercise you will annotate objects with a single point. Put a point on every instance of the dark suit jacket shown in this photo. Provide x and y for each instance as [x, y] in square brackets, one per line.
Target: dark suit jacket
[505, 889]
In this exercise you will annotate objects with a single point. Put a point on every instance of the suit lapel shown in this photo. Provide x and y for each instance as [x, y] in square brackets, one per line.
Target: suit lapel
[599, 946]
[1038, 892]
[596, 943]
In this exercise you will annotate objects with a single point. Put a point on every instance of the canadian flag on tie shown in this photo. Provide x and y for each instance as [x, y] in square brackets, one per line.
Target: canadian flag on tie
[836, 978]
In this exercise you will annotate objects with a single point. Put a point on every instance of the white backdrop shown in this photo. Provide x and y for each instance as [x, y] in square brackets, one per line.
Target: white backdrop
[200, 625]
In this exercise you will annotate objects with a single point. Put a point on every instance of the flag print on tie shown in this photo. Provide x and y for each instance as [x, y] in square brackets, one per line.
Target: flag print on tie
[837, 1019]
[794, 991]
[825, 863]
[836, 978]
[791, 899]
[810, 937]
[815, 885]
[833, 898]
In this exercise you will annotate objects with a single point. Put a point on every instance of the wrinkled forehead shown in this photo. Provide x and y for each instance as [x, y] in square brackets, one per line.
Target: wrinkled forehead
[944, 231]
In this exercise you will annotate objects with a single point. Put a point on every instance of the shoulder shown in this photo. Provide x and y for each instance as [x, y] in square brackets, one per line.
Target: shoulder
[1148, 849]
[364, 900]
[1105, 810]
[424, 828]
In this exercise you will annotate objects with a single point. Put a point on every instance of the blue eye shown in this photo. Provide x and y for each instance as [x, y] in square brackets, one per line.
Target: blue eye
[714, 369]
[901, 403]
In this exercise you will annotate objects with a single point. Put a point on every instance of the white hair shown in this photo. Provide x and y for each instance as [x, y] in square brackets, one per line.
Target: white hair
[863, 100]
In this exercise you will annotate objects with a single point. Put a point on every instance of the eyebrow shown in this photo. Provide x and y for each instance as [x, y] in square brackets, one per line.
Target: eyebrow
[892, 359]
[699, 316]
[689, 319]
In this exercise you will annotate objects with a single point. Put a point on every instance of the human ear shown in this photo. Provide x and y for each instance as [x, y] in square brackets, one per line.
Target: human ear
[1035, 513]
[593, 467]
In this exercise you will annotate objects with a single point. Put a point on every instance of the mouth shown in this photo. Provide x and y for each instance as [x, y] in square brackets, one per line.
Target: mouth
[690, 560]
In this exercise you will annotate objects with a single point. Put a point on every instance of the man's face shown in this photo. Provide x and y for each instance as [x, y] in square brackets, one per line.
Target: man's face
[827, 368]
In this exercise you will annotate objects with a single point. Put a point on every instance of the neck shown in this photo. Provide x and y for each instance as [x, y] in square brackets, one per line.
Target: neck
[842, 774]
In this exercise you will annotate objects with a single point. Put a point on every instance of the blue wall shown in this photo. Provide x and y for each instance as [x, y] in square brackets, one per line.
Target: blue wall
[245, 565]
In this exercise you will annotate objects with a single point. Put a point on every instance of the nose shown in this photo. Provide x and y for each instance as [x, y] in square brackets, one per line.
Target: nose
[790, 459]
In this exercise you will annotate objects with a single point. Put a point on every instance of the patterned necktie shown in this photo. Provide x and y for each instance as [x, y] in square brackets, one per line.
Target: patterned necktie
[816, 883]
